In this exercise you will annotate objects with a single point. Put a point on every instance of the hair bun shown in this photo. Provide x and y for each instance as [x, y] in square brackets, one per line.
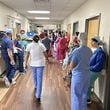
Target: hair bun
[36, 38]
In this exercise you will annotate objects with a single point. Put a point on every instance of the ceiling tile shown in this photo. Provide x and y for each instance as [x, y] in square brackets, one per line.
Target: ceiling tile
[59, 8]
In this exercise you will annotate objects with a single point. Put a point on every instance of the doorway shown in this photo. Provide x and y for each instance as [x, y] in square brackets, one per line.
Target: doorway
[92, 28]
[69, 29]
[18, 28]
[75, 27]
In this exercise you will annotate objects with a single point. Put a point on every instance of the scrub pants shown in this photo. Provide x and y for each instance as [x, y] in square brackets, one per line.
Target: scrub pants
[20, 56]
[79, 88]
[93, 77]
[61, 54]
[10, 69]
[37, 78]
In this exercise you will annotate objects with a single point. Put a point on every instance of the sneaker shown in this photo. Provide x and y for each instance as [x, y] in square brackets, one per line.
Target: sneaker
[13, 82]
[89, 101]
[38, 99]
[7, 82]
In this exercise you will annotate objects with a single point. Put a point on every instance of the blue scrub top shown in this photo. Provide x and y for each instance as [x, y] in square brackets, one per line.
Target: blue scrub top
[18, 43]
[5, 44]
[46, 42]
[24, 42]
[97, 60]
[81, 57]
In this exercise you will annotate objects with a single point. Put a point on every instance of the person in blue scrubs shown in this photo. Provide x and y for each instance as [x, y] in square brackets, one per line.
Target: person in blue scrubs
[7, 54]
[96, 64]
[47, 43]
[19, 54]
[37, 52]
[24, 38]
[79, 65]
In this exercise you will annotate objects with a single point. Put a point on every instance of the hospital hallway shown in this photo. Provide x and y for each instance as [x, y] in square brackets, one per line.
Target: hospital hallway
[55, 96]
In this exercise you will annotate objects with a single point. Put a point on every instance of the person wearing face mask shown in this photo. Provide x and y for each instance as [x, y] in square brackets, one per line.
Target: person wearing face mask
[79, 65]
[24, 39]
[96, 63]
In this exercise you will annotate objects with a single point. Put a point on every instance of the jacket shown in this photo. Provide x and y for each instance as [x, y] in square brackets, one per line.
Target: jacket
[97, 60]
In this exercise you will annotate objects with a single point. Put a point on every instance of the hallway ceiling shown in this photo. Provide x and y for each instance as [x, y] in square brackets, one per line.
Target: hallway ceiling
[59, 9]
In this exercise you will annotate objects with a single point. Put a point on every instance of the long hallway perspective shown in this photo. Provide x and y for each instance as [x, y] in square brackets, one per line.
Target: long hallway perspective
[55, 94]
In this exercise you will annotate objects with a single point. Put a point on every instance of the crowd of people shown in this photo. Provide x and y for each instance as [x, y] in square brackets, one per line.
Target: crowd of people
[84, 65]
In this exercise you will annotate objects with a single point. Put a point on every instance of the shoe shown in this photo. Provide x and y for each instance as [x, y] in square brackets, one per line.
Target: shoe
[64, 78]
[38, 102]
[89, 101]
[7, 82]
[13, 82]
[38, 99]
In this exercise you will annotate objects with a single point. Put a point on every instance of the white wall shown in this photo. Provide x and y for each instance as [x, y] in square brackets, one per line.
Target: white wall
[90, 9]
[51, 27]
[10, 17]
[7, 13]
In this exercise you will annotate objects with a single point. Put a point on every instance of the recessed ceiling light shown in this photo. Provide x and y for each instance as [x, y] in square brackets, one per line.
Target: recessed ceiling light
[42, 18]
[39, 12]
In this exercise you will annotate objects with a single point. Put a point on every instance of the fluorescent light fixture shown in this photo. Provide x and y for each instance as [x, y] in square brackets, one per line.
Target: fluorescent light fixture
[42, 18]
[39, 12]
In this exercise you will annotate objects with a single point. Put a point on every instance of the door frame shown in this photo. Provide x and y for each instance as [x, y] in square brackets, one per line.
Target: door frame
[107, 86]
[98, 17]
[77, 22]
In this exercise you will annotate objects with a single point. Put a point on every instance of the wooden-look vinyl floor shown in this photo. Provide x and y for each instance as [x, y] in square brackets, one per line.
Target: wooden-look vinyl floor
[54, 95]
[3, 89]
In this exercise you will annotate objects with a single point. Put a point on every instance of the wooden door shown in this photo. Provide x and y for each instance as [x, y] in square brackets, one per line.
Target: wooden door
[69, 29]
[14, 33]
[93, 29]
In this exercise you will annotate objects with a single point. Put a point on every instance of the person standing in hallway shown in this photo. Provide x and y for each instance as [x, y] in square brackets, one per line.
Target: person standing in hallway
[79, 65]
[24, 39]
[7, 54]
[53, 38]
[56, 45]
[37, 52]
[67, 36]
[42, 35]
[96, 63]
[19, 53]
[47, 43]
[74, 42]
[63, 48]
